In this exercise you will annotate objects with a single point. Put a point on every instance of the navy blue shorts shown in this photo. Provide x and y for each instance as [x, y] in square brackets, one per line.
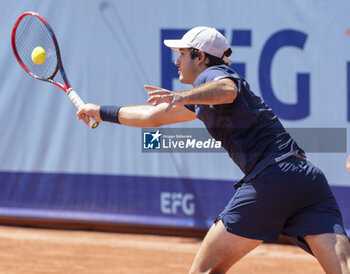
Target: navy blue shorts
[291, 197]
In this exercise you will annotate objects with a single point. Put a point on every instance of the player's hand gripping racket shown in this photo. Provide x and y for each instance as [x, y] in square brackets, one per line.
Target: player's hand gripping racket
[36, 49]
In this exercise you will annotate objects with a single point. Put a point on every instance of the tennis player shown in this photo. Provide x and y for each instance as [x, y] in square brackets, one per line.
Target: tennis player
[348, 163]
[282, 192]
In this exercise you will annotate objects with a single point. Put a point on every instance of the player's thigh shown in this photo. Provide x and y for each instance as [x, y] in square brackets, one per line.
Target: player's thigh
[220, 250]
[332, 250]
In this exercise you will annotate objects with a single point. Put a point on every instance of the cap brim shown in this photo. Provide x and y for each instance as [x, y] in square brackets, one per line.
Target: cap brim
[176, 44]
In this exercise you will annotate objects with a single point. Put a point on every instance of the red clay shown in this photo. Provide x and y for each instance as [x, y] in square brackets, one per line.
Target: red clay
[28, 250]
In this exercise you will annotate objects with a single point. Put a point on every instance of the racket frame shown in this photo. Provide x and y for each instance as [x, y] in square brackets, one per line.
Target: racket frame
[67, 88]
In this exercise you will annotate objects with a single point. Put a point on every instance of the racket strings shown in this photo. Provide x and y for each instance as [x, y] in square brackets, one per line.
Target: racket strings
[31, 33]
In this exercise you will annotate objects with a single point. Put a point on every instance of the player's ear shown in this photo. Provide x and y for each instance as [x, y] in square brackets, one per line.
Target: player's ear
[201, 57]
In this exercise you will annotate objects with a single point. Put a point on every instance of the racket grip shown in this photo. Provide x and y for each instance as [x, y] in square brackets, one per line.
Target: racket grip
[74, 97]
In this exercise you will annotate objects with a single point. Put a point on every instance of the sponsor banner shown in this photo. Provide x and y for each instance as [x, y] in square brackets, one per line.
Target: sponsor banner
[154, 201]
[174, 202]
[282, 54]
[298, 62]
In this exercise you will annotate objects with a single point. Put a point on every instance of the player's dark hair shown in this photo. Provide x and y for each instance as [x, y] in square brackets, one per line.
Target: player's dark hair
[212, 60]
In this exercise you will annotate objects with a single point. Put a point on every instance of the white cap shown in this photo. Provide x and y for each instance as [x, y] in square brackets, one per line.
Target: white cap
[203, 38]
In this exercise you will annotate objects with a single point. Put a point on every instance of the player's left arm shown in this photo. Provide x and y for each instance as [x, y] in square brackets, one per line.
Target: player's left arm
[223, 91]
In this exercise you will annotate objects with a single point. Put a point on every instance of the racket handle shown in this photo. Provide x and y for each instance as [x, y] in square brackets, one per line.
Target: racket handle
[74, 97]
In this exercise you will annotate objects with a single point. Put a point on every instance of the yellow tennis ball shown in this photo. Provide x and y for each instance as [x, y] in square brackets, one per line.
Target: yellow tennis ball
[38, 55]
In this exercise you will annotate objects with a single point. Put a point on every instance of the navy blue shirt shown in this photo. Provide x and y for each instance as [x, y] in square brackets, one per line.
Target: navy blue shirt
[247, 128]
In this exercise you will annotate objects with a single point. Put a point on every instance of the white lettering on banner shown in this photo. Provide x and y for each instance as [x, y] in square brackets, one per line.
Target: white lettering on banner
[191, 143]
[165, 202]
[170, 202]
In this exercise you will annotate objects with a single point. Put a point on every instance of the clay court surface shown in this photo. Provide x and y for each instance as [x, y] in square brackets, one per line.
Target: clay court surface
[31, 250]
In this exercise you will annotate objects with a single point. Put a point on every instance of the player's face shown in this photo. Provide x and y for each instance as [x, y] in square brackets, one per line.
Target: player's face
[187, 67]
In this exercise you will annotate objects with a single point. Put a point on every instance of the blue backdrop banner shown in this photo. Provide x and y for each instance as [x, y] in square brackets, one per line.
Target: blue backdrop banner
[295, 55]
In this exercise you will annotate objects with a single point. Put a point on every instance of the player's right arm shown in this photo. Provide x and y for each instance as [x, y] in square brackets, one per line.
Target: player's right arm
[141, 115]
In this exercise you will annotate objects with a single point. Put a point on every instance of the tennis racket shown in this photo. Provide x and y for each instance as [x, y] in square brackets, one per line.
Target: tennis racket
[32, 32]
